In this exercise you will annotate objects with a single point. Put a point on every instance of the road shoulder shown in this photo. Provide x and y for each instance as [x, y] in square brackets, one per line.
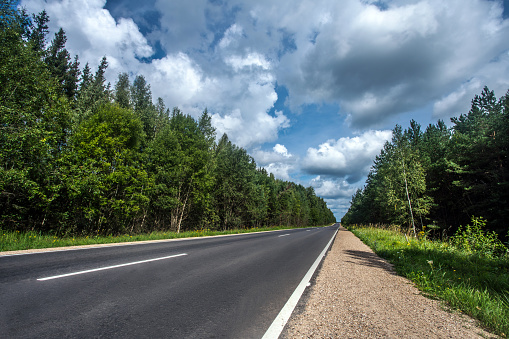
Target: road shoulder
[357, 294]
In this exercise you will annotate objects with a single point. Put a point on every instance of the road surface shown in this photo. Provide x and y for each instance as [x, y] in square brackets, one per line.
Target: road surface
[216, 287]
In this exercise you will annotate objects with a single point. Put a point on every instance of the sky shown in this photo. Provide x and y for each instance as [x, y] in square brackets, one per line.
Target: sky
[310, 88]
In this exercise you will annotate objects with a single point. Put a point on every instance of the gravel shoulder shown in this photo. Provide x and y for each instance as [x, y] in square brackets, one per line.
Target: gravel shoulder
[356, 294]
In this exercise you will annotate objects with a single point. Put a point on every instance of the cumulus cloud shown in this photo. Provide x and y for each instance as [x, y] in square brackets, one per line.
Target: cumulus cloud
[349, 158]
[249, 61]
[376, 63]
[332, 188]
[94, 33]
[176, 78]
[281, 149]
[279, 161]
[231, 35]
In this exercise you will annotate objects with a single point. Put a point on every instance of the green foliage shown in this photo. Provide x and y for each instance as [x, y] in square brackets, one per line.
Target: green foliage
[34, 127]
[122, 91]
[105, 178]
[472, 238]
[480, 159]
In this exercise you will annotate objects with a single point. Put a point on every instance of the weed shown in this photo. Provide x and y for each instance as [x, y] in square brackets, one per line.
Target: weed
[473, 239]
[15, 240]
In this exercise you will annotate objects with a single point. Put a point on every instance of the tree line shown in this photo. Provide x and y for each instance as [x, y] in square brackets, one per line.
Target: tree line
[441, 177]
[79, 156]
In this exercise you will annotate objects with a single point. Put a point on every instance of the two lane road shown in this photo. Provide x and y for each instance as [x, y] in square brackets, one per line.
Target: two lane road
[217, 287]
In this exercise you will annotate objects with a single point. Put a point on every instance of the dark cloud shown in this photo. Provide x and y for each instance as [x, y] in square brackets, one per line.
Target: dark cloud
[387, 60]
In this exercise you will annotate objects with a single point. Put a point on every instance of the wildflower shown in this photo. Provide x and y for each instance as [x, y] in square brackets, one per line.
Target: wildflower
[430, 262]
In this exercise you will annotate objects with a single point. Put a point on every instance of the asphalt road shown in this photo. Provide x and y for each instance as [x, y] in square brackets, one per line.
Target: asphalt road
[217, 287]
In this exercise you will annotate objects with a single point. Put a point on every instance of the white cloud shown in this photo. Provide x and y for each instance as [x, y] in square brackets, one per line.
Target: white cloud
[176, 78]
[332, 188]
[281, 149]
[93, 33]
[279, 153]
[280, 170]
[249, 61]
[231, 34]
[348, 158]
[242, 112]
[279, 161]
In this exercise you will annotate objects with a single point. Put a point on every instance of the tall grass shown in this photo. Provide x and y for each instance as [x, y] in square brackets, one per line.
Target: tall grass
[15, 240]
[475, 284]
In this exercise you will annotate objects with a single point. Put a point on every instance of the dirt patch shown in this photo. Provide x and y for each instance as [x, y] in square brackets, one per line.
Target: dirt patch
[358, 295]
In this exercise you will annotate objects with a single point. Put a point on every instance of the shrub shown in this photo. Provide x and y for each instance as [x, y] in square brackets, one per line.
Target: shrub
[473, 239]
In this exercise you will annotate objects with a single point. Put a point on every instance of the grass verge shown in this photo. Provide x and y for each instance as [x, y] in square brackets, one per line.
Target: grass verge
[471, 283]
[15, 240]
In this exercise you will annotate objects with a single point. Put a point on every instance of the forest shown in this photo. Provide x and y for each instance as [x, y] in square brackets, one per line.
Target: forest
[441, 178]
[80, 156]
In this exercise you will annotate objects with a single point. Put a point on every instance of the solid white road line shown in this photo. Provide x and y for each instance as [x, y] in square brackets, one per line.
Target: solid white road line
[279, 323]
[110, 267]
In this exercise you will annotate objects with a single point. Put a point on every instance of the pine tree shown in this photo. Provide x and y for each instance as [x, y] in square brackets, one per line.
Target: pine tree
[39, 32]
[141, 97]
[122, 94]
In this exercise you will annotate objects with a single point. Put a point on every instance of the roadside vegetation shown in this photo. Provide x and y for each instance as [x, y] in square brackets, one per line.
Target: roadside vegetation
[16, 240]
[469, 271]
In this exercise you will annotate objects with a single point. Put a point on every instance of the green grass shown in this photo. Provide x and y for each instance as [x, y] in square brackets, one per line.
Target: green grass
[471, 283]
[15, 240]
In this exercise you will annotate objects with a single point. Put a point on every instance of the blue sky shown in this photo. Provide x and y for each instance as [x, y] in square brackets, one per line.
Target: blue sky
[310, 88]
